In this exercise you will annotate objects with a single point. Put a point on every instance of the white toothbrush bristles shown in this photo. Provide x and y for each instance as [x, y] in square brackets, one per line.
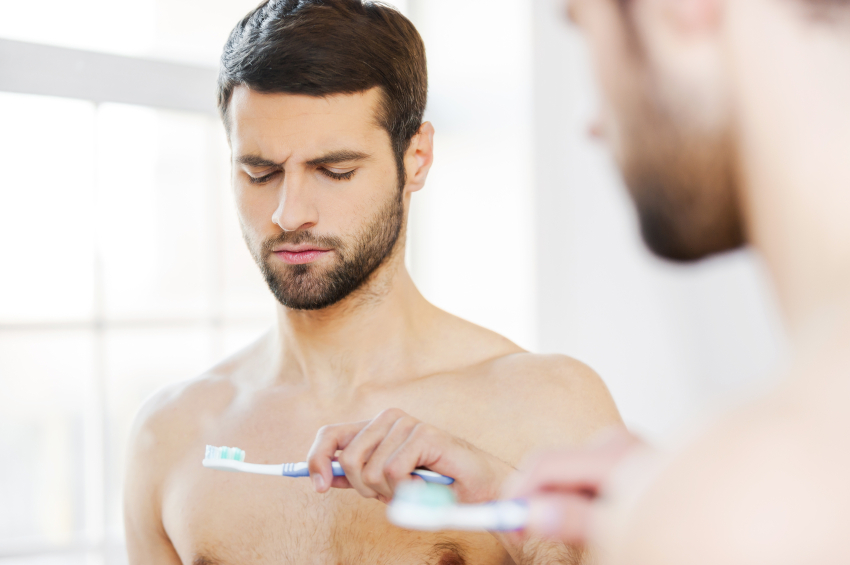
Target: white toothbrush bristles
[224, 452]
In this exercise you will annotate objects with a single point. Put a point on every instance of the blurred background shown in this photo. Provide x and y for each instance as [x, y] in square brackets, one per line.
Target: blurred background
[122, 267]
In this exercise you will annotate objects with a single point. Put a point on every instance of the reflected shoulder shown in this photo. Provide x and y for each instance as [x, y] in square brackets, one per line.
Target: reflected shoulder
[767, 485]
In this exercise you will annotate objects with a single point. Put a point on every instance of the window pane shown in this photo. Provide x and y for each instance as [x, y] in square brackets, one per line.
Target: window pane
[138, 362]
[45, 411]
[155, 178]
[46, 180]
[54, 559]
[235, 337]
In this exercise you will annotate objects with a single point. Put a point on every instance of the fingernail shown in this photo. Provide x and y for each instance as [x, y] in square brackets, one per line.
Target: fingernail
[318, 482]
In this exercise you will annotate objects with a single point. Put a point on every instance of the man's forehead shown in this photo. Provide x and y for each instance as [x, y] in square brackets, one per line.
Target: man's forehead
[277, 124]
[360, 108]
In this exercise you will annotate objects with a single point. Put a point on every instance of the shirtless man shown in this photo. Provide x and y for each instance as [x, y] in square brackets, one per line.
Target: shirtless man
[731, 121]
[323, 105]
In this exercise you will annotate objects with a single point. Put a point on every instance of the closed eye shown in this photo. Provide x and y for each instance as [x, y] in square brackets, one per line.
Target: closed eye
[263, 179]
[337, 176]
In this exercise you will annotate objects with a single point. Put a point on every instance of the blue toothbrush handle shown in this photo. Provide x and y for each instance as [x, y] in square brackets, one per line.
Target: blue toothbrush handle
[432, 477]
[424, 474]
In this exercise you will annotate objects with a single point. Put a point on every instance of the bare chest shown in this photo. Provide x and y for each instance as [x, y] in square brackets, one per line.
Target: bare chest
[233, 518]
[214, 517]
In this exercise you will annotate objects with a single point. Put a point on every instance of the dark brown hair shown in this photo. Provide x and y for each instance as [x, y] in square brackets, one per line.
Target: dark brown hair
[324, 47]
[827, 11]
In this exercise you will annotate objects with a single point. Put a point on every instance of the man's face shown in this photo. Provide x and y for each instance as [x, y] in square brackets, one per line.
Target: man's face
[317, 191]
[665, 118]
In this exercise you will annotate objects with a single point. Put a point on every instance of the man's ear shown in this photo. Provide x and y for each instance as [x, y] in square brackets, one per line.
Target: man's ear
[418, 158]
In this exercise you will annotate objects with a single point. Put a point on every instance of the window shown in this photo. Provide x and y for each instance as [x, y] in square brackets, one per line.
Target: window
[123, 270]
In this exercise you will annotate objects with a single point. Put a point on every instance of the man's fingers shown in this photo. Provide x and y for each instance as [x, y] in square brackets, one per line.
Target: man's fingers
[356, 456]
[379, 454]
[565, 517]
[568, 470]
[340, 482]
[417, 449]
[327, 442]
[368, 440]
[581, 470]
[374, 472]
[356, 443]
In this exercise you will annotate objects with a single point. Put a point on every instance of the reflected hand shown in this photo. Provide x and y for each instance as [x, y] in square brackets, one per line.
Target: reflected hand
[378, 454]
[563, 485]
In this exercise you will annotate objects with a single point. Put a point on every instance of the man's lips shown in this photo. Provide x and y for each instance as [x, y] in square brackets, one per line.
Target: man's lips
[298, 255]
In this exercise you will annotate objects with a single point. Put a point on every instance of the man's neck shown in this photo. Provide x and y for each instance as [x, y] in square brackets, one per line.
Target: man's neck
[793, 80]
[370, 336]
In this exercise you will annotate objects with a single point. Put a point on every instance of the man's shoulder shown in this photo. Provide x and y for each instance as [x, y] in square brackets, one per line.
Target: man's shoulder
[168, 422]
[181, 406]
[555, 392]
[169, 416]
[554, 369]
[544, 373]
[185, 399]
[497, 357]
[767, 484]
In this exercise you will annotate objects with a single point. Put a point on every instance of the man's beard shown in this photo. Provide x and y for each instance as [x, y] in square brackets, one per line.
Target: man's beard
[680, 174]
[684, 186]
[308, 287]
[683, 183]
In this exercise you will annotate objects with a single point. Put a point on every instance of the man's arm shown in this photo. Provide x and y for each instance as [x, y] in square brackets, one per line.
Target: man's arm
[560, 400]
[147, 541]
[562, 485]
[379, 454]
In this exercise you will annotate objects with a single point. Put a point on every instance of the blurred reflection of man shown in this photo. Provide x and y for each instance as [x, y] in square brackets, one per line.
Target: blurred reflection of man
[731, 122]
[323, 104]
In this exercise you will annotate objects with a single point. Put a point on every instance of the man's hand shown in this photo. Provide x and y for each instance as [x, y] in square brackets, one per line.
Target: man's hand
[563, 485]
[378, 454]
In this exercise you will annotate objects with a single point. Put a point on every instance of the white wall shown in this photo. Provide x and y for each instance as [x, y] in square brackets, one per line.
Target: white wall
[670, 341]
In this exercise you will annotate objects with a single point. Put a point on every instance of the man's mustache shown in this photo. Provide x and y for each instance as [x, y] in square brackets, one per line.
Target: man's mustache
[301, 237]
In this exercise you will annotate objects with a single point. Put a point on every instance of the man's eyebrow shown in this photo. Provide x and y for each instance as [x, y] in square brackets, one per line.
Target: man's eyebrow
[257, 161]
[341, 156]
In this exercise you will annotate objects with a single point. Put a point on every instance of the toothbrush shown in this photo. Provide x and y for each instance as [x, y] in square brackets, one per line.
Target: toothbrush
[431, 507]
[233, 459]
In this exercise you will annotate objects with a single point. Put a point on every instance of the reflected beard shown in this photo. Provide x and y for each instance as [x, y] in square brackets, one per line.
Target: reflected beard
[681, 176]
[684, 186]
[310, 287]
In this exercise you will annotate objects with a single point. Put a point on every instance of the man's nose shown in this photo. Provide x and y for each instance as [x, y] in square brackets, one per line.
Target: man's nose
[295, 207]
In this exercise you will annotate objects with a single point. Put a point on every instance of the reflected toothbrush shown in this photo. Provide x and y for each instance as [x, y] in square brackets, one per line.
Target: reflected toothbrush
[233, 459]
[431, 507]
